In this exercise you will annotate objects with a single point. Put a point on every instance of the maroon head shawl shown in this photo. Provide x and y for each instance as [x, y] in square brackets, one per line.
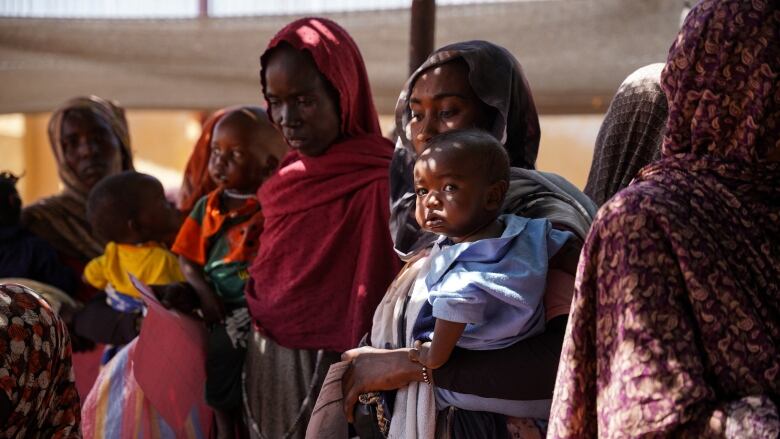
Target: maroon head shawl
[675, 324]
[326, 257]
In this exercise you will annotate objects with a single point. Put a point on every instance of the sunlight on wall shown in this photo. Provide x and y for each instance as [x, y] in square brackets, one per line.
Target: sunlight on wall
[163, 140]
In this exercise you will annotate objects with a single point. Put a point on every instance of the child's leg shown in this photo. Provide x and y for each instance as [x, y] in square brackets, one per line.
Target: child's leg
[224, 364]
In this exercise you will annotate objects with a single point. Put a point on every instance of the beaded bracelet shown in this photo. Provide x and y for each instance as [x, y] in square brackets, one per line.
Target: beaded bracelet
[426, 378]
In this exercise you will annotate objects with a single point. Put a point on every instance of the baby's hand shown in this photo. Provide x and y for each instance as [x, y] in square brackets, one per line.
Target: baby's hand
[213, 310]
[179, 296]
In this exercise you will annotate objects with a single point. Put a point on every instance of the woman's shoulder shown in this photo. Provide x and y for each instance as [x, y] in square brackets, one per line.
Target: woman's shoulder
[54, 205]
[642, 207]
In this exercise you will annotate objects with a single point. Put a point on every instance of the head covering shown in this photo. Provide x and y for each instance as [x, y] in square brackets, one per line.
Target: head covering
[197, 181]
[61, 219]
[325, 257]
[498, 80]
[675, 329]
[36, 373]
[338, 59]
[631, 134]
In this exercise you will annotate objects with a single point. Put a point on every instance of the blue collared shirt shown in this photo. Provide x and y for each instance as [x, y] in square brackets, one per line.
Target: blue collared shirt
[493, 285]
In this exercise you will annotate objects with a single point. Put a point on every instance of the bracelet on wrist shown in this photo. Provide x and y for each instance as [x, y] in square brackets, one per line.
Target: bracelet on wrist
[426, 376]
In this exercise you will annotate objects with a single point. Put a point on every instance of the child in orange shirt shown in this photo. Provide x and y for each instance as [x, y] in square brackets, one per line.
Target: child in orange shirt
[217, 242]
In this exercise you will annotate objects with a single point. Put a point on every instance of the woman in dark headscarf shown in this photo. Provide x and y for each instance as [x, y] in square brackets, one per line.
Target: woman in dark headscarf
[631, 134]
[90, 140]
[466, 85]
[675, 326]
[485, 88]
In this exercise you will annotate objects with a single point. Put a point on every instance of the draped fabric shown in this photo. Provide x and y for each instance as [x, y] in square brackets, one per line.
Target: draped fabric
[498, 80]
[630, 136]
[36, 374]
[338, 59]
[325, 256]
[197, 182]
[61, 219]
[675, 325]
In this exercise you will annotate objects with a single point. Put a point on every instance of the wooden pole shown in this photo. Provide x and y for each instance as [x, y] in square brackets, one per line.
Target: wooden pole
[203, 8]
[423, 30]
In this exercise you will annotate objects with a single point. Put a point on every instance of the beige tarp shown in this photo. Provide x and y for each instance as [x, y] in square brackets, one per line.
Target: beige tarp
[575, 52]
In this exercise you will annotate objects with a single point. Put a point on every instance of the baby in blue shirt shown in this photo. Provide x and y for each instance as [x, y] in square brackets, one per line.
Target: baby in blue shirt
[487, 271]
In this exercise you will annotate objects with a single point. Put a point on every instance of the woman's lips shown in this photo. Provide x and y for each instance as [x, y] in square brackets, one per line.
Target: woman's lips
[295, 143]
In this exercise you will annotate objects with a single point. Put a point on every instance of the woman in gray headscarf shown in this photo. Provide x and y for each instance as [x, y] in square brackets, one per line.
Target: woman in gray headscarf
[631, 134]
[474, 84]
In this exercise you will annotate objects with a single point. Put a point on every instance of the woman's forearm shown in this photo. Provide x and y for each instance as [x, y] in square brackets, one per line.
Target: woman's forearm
[524, 371]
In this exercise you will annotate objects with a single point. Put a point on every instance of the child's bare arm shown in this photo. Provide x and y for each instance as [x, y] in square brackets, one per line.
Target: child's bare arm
[435, 354]
[210, 304]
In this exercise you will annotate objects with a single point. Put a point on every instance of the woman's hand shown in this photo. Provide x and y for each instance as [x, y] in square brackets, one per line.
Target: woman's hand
[375, 369]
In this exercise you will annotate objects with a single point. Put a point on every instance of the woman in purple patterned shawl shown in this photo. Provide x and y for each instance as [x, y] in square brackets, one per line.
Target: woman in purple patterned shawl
[675, 324]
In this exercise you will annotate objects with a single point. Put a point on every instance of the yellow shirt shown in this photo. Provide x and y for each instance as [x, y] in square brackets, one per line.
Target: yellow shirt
[151, 263]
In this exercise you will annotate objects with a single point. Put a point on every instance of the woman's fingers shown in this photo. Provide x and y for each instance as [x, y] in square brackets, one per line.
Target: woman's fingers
[353, 354]
[350, 396]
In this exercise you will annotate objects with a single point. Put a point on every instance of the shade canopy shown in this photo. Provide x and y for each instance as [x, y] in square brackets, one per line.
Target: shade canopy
[575, 53]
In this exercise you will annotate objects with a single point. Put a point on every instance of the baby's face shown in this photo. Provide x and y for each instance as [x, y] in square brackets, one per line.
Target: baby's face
[237, 156]
[452, 196]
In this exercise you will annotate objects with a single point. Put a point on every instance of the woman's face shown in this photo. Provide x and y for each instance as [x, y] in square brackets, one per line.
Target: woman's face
[442, 100]
[299, 102]
[90, 147]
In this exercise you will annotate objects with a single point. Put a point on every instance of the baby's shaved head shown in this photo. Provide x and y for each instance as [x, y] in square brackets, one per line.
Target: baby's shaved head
[472, 148]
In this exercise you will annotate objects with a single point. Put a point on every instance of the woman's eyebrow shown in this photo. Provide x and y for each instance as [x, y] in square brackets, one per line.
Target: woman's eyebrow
[440, 96]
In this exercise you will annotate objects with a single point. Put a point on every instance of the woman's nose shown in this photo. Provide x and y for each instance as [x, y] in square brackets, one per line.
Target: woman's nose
[87, 146]
[289, 115]
[427, 129]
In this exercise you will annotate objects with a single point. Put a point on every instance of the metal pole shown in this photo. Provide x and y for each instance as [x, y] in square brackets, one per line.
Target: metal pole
[423, 30]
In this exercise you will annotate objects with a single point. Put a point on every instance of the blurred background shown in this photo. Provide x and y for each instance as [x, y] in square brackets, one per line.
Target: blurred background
[170, 63]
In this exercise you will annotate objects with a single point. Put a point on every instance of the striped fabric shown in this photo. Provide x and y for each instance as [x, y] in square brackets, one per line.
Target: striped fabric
[117, 407]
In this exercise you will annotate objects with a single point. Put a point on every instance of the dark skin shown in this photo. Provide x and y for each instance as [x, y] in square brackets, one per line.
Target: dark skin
[241, 160]
[457, 200]
[158, 221]
[90, 148]
[92, 151]
[300, 103]
[442, 100]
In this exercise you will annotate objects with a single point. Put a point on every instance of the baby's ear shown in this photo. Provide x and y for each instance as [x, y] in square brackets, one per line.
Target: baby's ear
[495, 195]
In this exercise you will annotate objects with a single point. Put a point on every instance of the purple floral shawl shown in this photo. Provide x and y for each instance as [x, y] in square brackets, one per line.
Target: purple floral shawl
[675, 324]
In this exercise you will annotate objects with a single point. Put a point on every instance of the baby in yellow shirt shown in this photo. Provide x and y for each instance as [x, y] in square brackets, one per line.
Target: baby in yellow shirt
[130, 211]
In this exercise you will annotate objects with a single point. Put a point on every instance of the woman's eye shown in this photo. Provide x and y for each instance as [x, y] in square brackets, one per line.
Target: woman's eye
[450, 187]
[305, 100]
[444, 114]
[237, 154]
[416, 117]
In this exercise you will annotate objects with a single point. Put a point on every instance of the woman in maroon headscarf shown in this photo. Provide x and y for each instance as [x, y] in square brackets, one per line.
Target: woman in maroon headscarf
[675, 325]
[326, 257]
